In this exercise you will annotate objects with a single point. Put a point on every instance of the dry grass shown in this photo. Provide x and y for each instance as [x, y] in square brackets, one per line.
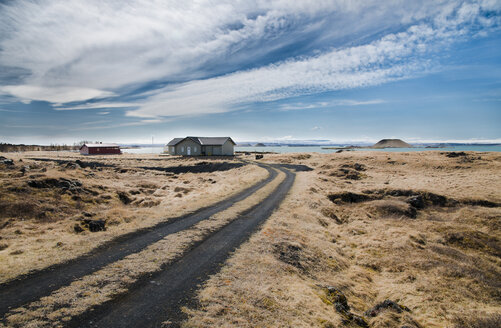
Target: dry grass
[442, 262]
[37, 224]
[115, 278]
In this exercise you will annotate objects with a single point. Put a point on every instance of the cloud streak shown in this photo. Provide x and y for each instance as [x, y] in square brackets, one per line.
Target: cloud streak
[334, 103]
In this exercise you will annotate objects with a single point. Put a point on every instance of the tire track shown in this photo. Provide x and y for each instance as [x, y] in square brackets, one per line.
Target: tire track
[158, 298]
[31, 287]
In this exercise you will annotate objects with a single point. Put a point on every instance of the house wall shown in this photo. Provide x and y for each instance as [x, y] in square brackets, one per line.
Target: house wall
[208, 150]
[182, 148]
[228, 148]
[217, 150]
[99, 150]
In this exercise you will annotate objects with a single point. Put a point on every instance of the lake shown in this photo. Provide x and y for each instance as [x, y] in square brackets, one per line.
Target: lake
[318, 149]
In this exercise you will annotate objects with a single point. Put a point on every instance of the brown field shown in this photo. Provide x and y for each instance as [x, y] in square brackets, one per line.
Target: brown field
[365, 239]
[421, 230]
[41, 202]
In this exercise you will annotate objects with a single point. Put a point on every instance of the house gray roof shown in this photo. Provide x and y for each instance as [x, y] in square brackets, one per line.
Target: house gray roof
[175, 141]
[203, 141]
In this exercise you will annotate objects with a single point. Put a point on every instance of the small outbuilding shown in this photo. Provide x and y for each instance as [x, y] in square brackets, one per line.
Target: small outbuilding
[202, 146]
[100, 149]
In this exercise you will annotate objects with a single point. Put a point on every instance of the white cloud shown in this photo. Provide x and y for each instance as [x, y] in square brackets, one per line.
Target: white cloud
[28, 93]
[79, 50]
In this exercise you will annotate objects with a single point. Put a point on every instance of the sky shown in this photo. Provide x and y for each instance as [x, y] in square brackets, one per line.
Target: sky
[272, 71]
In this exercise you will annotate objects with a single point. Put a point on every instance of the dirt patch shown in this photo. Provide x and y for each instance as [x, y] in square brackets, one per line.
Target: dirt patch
[453, 154]
[297, 167]
[349, 197]
[393, 208]
[290, 254]
[354, 166]
[201, 167]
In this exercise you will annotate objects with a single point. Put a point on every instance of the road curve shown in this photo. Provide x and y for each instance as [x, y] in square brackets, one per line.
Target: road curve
[158, 298]
[33, 286]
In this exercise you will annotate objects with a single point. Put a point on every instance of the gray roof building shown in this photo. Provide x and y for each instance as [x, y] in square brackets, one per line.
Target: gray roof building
[201, 146]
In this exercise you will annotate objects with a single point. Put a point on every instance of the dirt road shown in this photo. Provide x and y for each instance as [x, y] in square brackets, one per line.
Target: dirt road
[41, 283]
[158, 297]
[156, 300]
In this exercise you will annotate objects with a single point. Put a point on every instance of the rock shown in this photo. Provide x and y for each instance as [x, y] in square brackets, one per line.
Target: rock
[386, 304]
[77, 228]
[339, 151]
[453, 154]
[7, 162]
[62, 183]
[416, 202]
[359, 167]
[340, 302]
[124, 197]
[338, 299]
[80, 163]
[359, 321]
[72, 166]
[95, 225]
[258, 156]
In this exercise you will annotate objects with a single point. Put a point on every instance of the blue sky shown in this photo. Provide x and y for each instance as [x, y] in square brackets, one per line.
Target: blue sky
[345, 71]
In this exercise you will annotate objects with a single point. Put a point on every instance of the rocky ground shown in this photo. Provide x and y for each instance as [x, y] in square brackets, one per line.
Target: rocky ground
[370, 239]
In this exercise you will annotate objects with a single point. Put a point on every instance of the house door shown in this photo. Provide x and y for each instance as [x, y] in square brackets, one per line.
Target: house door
[188, 150]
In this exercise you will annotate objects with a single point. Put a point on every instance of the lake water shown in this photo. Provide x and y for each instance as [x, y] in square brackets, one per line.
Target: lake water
[318, 149]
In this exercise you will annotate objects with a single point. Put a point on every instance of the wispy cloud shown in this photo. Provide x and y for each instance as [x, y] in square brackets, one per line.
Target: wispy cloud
[392, 57]
[328, 104]
[28, 93]
[96, 105]
[98, 125]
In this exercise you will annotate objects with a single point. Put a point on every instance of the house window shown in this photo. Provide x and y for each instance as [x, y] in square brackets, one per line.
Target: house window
[172, 149]
[182, 149]
[194, 149]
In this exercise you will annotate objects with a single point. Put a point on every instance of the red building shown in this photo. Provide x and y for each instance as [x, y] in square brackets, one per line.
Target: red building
[100, 149]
